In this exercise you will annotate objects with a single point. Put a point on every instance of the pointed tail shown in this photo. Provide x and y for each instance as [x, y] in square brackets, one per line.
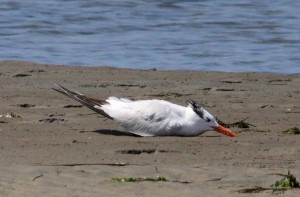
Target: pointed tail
[93, 104]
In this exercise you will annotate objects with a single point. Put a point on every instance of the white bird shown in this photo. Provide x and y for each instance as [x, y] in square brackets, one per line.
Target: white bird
[152, 117]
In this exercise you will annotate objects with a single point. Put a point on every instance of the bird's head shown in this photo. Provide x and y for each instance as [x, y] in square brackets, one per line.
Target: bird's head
[208, 122]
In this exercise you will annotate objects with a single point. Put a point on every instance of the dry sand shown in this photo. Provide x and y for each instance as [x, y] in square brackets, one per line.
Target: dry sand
[59, 148]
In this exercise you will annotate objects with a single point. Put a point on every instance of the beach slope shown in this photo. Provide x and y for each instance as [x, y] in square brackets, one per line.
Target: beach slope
[51, 145]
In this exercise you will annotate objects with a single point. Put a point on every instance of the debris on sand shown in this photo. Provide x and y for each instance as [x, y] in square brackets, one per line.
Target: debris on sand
[261, 189]
[9, 115]
[131, 179]
[240, 124]
[157, 179]
[73, 106]
[137, 152]
[292, 131]
[26, 105]
[22, 75]
[51, 120]
[288, 181]
[39, 176]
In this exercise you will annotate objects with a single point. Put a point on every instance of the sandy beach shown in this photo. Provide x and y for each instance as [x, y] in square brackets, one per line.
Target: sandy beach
[51, 145]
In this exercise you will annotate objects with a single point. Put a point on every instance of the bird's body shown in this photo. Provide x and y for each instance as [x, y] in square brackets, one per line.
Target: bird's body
[152, 117]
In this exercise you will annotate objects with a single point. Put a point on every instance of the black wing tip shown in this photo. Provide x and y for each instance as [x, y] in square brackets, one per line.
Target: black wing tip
[193, 103]
[56, 88]
[59, 87]
[86, 101]
[64, 91]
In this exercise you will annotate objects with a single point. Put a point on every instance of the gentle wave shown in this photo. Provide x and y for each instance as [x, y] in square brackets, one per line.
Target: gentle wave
[234, 36]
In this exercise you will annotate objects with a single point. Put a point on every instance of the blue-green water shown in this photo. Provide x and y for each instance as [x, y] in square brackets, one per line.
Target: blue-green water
[237, 35]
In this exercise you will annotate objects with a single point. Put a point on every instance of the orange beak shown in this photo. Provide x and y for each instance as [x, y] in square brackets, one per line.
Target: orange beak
[225, 131]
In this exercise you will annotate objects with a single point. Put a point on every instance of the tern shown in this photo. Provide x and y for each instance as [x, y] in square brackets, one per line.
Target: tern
[151, 117]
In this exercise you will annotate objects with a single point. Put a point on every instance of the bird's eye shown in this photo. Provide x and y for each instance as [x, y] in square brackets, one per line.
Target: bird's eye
[207, 119]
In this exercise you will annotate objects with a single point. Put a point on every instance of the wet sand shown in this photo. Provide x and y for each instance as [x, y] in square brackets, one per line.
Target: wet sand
[59, 148]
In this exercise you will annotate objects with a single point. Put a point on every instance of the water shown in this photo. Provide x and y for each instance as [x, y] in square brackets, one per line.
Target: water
[240, 35]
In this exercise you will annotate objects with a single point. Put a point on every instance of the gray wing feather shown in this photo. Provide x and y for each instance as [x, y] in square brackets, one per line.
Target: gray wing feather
[93, 104]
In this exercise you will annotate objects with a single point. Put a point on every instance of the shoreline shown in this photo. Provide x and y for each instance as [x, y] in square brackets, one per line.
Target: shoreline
[146, 69]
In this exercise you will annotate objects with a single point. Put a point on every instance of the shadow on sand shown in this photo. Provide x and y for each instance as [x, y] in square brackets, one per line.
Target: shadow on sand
[114, 132]
[120, 133]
